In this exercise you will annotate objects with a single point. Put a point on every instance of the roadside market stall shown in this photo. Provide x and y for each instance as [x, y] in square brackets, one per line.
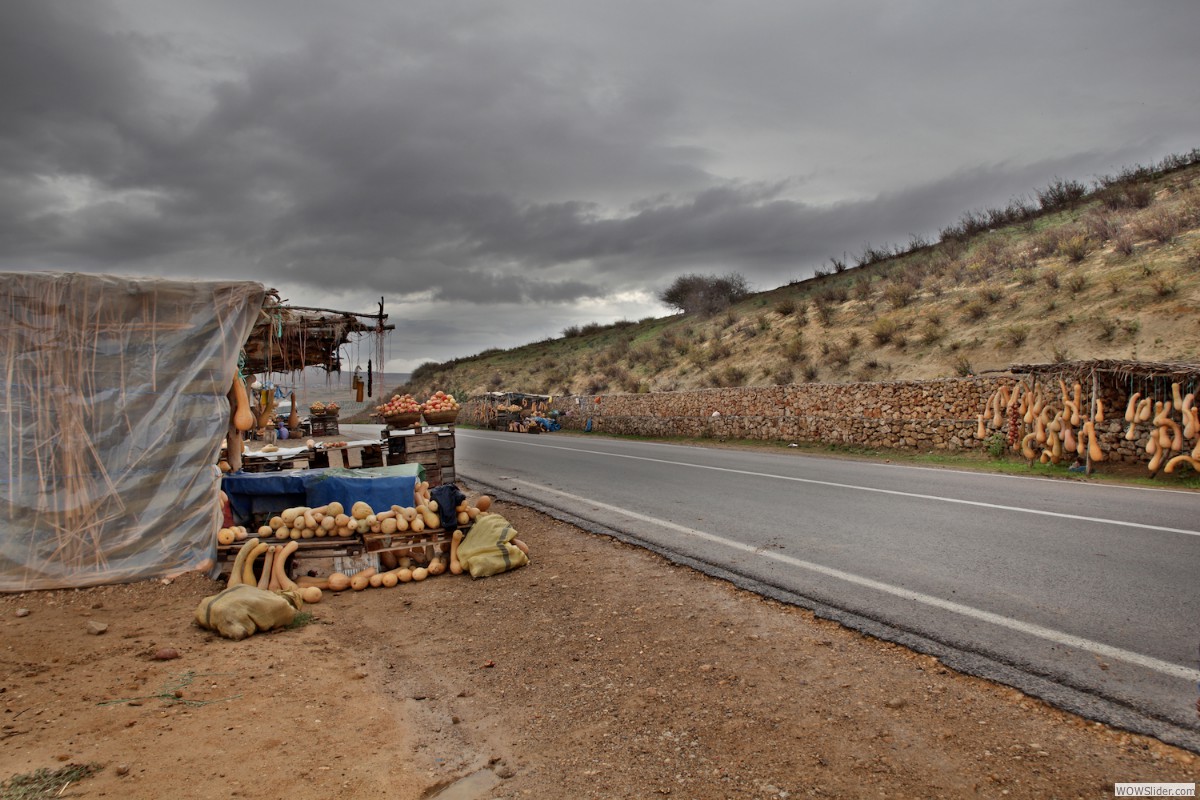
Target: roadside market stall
[1099, 410]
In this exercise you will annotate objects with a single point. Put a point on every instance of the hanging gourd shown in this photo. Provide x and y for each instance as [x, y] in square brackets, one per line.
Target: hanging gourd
[243, 417]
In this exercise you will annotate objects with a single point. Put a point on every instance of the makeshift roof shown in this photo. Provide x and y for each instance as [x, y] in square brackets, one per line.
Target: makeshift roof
[289, 338]
[1113, 371]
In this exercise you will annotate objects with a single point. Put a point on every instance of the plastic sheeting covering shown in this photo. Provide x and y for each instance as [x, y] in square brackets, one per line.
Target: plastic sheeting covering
[112, 417]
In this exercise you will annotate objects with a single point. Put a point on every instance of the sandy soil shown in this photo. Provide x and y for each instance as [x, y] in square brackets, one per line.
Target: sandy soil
[597, 671]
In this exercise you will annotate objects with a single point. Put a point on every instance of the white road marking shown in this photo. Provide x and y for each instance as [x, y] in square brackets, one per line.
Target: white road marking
[1049, 634]
[938, 498]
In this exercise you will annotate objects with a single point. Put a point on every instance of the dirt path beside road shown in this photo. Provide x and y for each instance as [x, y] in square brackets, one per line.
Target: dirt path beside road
[598, 671]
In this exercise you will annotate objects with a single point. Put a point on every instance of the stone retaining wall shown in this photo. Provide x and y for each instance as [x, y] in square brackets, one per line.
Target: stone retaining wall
[903, 415]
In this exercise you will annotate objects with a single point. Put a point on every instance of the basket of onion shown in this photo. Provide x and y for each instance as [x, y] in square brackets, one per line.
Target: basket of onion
[440, 409]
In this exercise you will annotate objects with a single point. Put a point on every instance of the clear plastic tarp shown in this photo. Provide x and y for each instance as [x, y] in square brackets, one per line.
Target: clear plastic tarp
[114, 410]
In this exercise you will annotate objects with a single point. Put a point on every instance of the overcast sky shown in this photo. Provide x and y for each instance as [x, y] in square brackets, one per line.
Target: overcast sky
[498, 170]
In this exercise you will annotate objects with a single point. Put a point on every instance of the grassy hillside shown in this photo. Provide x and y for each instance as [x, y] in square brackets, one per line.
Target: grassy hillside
[1107, 272]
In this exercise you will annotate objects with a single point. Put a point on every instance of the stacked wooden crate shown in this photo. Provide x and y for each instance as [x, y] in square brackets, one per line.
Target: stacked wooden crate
[324, 424]
[433, 450]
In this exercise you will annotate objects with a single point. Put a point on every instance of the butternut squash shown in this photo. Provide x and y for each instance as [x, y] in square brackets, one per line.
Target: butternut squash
[980, 432]
[432, 522]
[310, 594]
[243, 417]
[998, 408]
[306, 581]
[1188, 410]
[248, 565]
[1131, 409]
[280, 570]
[1093, 447]
[362, 579]
[1099, 415]
[339, 582]
[1155, 461]
[483, 502]
[264, 578]
[455, 539]
[1069, 442]
[420, 574]
[1027, 448]
[225, 536]
[294, 417]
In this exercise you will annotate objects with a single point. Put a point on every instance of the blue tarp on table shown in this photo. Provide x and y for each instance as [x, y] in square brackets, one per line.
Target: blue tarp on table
[379, 487]
[265, 493]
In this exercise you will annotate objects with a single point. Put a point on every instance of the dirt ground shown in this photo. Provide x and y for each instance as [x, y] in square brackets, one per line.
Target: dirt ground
[597, 671]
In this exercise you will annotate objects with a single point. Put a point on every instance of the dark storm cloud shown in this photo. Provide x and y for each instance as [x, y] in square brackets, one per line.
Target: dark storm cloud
[554, 154]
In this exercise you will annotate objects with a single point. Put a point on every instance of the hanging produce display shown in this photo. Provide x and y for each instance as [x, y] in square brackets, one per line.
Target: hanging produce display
[1047, 426]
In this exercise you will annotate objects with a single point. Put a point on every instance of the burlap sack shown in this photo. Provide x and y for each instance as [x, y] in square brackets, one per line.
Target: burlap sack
[243, 610]
[488, 548]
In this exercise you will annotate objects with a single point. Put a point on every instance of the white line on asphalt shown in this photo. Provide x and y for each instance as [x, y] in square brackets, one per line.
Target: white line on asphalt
[978, 503]
[1049, 634]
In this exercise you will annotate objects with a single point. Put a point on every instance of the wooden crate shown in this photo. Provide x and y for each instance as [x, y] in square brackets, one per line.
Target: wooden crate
[251, 463]
[433, 450]
[324, 425]
[323, 547]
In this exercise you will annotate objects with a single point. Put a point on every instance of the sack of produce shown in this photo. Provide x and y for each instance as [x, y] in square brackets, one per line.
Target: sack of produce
[488, 548]
[243, 610]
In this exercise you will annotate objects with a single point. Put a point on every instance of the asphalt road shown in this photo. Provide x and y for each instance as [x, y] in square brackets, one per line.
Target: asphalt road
[1083, 594]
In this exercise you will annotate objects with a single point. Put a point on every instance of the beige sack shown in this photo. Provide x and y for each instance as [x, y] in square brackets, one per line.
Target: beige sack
[488, 548]
[243, 610]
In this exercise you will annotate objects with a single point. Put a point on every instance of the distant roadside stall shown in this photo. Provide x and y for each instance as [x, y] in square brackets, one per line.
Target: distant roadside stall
[1099, 410]
[518, 412]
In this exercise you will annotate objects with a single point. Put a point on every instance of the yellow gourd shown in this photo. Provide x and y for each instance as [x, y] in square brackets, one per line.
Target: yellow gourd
[243, 417]
[1094, 451]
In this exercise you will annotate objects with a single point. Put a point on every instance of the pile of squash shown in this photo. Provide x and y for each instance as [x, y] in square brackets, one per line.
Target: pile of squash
[302, 522]
[419, 562]
[1049, 428]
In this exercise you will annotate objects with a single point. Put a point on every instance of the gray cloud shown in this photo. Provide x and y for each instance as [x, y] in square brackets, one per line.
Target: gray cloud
[553, 155]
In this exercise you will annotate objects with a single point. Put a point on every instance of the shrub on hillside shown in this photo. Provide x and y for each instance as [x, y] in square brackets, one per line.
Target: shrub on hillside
[884, 329]
[1061, 194]
[705, 294]
[1160, 224]
[975, 311]
[1075, 248]
[899, 294]
[1123, 241]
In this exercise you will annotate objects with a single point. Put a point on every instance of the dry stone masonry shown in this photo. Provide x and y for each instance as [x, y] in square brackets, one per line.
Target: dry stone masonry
[903, 415]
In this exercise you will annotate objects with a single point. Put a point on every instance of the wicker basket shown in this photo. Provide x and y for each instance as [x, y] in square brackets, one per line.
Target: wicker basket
[402, 420]
[440, 417]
